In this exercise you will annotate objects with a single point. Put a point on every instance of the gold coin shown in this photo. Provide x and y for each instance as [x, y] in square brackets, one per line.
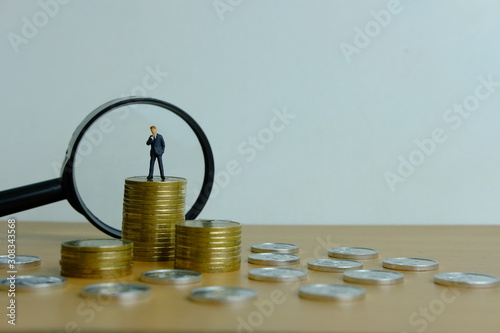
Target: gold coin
[153, 220]
[154, 211]
[97, 255]
[207, 232]
[66, 257]
[214, 237]
[96, 245]
[138, 229]
[188, 254]
[154, 259]
[144, 180]
[144, 198]
[195, 253]
[206, 243]
[152, 191]
[206, 269]
[210, 224]
[151, 245]
[93, 270]
[148, 236]
[117, 273]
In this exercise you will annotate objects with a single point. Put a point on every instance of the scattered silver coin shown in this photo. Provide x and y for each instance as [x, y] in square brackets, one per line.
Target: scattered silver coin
[352, 253]
[116, 291]
[273, 259]
[171, 276]
[275, 248]
[277, 274]
[333, 265]
[221, 295]
[331, 292]
[366, 276]
[411, 264]
[33, 282]
[468, 280]
[20, 261]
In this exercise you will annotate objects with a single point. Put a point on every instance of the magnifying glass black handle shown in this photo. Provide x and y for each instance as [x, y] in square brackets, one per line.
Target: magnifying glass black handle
[31, 196]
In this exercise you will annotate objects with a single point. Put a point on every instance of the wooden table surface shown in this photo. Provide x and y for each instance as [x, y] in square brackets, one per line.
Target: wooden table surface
[417, 305]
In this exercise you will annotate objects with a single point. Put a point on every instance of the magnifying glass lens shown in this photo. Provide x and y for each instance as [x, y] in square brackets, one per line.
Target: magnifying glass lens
[114, 148]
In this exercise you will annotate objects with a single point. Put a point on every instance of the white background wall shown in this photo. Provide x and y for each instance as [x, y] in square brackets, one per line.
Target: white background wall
[361, 81]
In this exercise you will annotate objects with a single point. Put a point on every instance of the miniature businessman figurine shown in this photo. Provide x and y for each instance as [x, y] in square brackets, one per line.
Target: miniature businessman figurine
[157, 149]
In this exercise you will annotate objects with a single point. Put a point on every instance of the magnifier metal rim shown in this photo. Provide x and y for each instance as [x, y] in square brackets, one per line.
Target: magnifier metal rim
[68, 176]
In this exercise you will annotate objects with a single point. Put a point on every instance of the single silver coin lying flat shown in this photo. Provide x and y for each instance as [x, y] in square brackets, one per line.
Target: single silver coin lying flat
[366, 276]
[273, 259]
[467, 280]
[275, 248]
[221, 295]
[411, 264]
[333, 265]
[352, 253]
[171, 276]
[33, 282]
[116, 291]
[19, 261]
[277, 274]
[331, 292]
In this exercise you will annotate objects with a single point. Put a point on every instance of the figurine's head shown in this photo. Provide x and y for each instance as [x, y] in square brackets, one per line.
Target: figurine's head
[153, 130]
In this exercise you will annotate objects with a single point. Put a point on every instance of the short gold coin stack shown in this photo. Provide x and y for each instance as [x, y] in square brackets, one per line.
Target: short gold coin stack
[208, 245]
[150, 211]
[96, 258]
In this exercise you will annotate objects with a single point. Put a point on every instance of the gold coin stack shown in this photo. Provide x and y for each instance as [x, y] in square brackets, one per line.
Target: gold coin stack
[150, 211]
[96, 258]
[208, 245]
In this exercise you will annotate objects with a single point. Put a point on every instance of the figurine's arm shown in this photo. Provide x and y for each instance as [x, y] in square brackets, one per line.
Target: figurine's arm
[150, 140]
[162, 142]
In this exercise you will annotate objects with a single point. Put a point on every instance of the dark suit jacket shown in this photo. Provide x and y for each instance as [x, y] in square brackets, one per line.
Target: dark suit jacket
[157, 145]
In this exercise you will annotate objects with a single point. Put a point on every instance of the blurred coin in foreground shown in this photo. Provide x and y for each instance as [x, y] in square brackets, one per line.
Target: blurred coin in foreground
[19, 261]
[366, 276]
[274, 248]
[171, 276]
[222, 295]
[331, 292]
[277, 274]
[273, 259]
[352, 253]
[116, 291]
[467, 280]
[333, 265]
[33, 282]
[411, 264]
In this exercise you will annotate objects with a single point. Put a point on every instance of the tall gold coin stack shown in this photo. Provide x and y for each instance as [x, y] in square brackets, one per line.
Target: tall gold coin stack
[96, 258]
[208, 245]
[150, 211]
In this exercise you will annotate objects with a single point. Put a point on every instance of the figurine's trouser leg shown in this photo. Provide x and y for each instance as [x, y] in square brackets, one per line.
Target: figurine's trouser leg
[151, 166]
[160, 164]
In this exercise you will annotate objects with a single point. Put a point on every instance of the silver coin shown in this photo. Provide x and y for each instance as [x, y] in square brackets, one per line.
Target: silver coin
[171, 276]
[352, 253]
[20, 261]
[33, 282]
[367, 276]
[274, 248]
[273, 259]
[468, 280]
[116, 291]
[217, 294]
[411, 264]
[277, 274]
[333, 265]
[332, 292]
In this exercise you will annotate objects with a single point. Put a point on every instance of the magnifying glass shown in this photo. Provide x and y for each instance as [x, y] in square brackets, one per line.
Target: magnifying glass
[110, 146]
